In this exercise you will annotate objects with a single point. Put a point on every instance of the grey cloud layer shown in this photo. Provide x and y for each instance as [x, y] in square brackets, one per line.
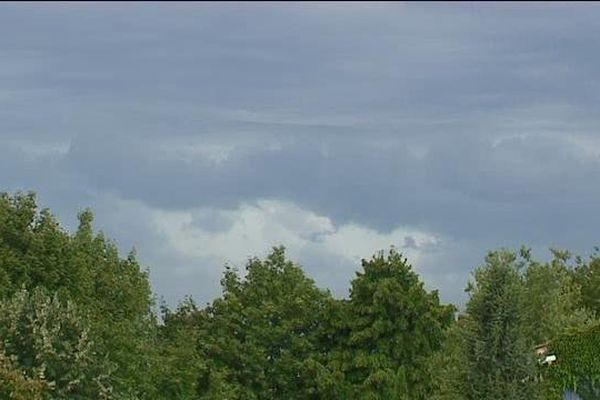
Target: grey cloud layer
[478, 123]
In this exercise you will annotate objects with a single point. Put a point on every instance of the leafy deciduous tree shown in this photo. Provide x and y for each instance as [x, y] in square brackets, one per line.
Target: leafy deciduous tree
[50, 340]
[260, 339]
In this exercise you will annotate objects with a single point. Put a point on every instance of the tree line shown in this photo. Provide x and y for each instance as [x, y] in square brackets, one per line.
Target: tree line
[79, 321]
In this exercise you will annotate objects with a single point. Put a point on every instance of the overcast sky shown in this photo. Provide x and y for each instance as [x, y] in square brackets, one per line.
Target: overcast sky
[204, 134]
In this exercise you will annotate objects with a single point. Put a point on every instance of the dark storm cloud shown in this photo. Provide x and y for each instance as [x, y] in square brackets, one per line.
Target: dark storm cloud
[478, 123]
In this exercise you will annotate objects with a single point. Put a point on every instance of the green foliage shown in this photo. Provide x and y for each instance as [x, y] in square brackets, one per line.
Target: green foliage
[15, 384]
[578, 362]
[180, 362]
[85, 269]
[394, 327]
[516, 303]
[260, 340]
[50, 341]
[552, 300]
[577, 347]
[32, 247]
[76, 322]
[500, 358]
[587, 275]
[119, 297]
[450, 365]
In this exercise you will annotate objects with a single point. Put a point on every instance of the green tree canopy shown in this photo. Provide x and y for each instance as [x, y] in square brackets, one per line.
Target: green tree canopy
[86, 269]
[180, 361]
[552, 297]
[14, 382]
[260, 339]
[500, 357]
[587, 276]
[77, 322]
[49, 340]
[394, 327]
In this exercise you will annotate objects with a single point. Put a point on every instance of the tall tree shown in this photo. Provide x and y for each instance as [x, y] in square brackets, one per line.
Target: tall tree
[395, 326]
[117, 292]
[180, 361]
[260, 339]
[587, 276]
[553, 297]
[500, 358]
[86, 269]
